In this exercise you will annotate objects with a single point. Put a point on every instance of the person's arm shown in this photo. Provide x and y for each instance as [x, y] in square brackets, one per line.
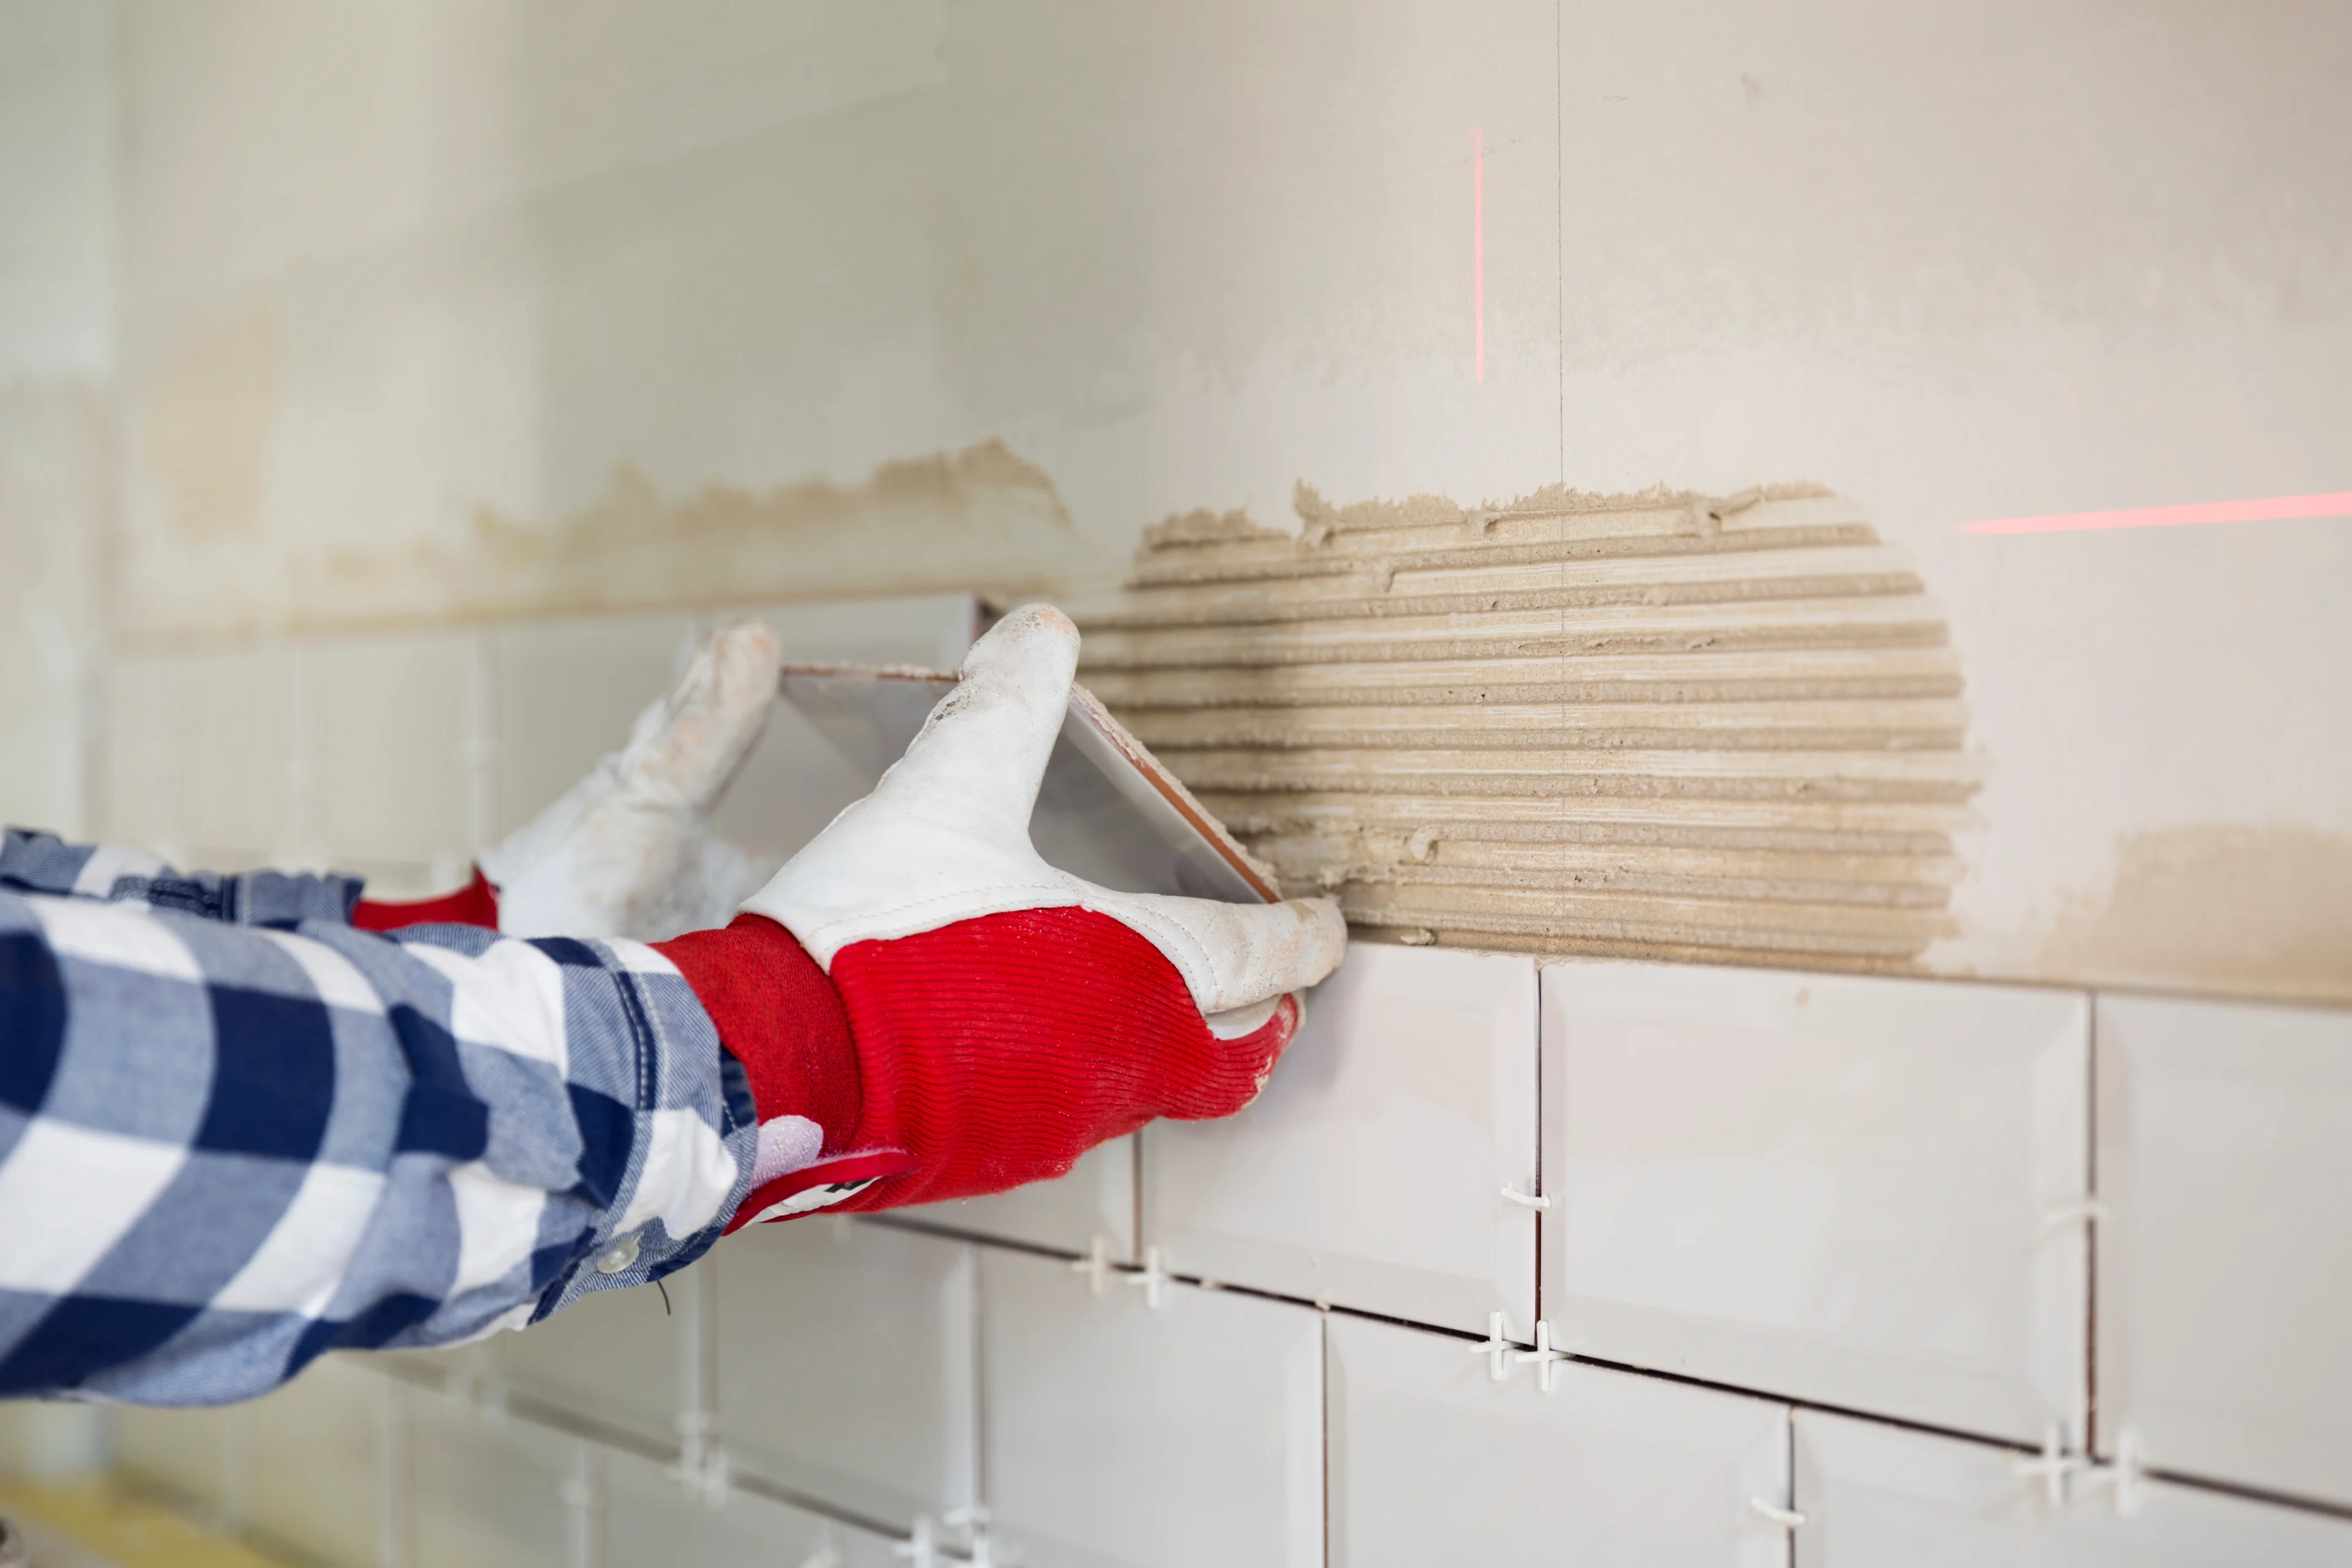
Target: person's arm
[235, 1132]
[226, 1148]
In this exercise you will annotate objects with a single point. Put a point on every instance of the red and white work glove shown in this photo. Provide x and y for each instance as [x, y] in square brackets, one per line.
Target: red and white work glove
[926, 1010]
[628, 850]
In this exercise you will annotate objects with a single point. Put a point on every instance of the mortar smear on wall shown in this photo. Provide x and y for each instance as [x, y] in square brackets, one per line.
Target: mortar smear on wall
[981, 516]
[1655, 724]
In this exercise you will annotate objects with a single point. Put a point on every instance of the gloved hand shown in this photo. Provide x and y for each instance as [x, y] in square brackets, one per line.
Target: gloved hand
[924, 1009]
[628, 851]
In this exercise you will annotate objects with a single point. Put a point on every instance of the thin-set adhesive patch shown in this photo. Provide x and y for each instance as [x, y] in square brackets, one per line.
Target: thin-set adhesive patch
[1663, 724]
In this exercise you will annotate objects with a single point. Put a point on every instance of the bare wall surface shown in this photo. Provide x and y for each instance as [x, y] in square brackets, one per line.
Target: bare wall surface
[448, 310]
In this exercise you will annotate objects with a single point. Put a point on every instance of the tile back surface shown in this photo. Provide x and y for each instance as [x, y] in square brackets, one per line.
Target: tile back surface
[2225, 1247]
[1874, 1494]
[1859, 1191]
[793, 783]
[846, 1364]
[1371, 1170]
[1432, 1461]
[1116, 1436]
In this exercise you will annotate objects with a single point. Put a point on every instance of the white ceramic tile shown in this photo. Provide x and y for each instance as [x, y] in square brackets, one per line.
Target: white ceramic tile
[387, 741]
[1371, 1171]
[196, 1456]
[213, 764]
[316, 1464]
[2225, 1250]
[845, 1364]
[616, 1356]
[647, 1518]
[1097, 1199]
[1849, 1191]
[566, 692]
[140, 783]
[1115, 1434]
[1873, 1495]
[1432, 1461]
[489, 1492]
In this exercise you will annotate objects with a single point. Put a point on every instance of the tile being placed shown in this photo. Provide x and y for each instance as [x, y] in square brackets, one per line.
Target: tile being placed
[1370, 1171]
[1120, 1435]
[1856, 1192]
[566, 692]
[2225, 1244]
[1873, 1494]
[845, 1364]
[1433, 1460]
[1093, 1202]
[793, 783]
[315, 1458]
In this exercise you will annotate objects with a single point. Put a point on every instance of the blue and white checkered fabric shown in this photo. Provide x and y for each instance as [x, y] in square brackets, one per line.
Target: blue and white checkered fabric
[230, 1144]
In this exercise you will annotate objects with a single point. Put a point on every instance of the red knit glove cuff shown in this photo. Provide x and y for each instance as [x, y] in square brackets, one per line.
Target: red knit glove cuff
[1000, 1048]
[779, 1015]
[475, 904]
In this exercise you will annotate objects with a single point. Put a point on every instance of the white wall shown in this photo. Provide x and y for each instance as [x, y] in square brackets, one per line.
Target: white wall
[452, 310]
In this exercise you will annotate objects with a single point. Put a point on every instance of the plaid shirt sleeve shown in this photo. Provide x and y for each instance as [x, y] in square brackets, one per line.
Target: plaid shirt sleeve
[236, 1132]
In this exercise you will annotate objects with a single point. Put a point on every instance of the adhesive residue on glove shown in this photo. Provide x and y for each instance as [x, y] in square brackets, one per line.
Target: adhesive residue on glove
[1658, 725]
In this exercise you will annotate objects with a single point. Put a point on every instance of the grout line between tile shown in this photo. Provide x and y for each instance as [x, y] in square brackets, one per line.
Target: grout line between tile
[2091, 1230]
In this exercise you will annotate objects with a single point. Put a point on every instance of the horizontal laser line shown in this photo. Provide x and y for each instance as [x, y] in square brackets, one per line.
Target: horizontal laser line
[2274, 508]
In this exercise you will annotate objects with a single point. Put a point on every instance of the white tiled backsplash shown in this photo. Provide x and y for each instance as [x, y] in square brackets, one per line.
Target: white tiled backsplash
[1863, 1192]
[1372, 1172]
[1783, 1263]
[2225, 1244]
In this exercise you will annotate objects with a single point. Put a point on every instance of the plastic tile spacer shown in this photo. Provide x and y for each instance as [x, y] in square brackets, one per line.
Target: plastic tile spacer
[1529, 1200]
[1095, 1265]
[1154, 1278]
[1544, 1357]
[2073, 1211]
[1497, 1347]
[2126, 1475]
[2052, 1467]
[1773, 1514]
[921, 1547]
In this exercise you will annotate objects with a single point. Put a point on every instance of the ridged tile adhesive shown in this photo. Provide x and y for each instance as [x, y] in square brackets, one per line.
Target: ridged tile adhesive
[1660, 724]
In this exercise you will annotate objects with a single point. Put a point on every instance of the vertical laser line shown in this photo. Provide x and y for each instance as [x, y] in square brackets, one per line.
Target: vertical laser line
[1478, 244]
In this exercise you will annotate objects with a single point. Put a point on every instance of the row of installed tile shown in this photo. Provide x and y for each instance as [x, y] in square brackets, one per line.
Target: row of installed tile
[1885, 1196]
[890, 1374]
[352, 1467]
[402, 755]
